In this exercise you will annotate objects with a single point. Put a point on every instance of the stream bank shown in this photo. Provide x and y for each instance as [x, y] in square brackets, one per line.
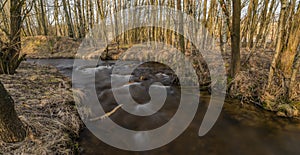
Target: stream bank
[44, 102]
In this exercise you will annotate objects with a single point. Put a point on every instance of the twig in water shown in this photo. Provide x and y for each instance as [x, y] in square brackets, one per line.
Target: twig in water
[107, 114]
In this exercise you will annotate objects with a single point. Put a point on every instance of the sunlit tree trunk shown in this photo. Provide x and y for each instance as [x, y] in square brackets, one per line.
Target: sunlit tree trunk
[289, 62]
[246, 25]
[295, 71]
[212, 13]
[58, 29]
[68, 19]
[268, 26]
[28, 26]
[279, 43]
[116, 30]
[204, 22]
[38, 18]
[262, 19]
[289, 53]
[224, 23]
[253, 25]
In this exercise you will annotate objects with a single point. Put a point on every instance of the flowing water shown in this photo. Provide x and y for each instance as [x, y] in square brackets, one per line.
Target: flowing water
[240, 129]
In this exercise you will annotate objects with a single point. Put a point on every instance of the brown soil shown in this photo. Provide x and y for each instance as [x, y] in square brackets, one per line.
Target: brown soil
[44, 102]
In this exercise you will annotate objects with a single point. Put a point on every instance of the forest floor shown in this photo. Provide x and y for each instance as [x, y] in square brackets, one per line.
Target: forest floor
[249, 84]
[44, 102]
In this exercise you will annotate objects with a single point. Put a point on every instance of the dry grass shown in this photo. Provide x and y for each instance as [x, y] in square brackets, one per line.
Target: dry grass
[50, 47]
[44, 103]
[249, 85]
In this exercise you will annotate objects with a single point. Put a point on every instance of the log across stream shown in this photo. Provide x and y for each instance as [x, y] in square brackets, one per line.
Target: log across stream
[240, 129]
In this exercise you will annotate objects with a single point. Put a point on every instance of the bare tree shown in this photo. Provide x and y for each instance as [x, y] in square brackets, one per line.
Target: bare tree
[279, 43]
[68, 19]
[235, 38]
[10, 58]
[181, 28]
[43, 18]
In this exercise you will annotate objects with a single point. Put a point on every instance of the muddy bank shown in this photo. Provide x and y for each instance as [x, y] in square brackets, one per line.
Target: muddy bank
[44, 102]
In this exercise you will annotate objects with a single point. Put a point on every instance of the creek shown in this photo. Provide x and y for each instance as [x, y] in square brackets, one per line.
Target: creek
[240, 129]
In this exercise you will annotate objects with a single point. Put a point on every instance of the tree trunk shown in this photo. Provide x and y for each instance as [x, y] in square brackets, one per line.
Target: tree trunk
[224, 23]
[289, 62]
[253, 25]
[267, 23]
[235, 38]
[68, 19]
[15, 27]
[262, 22]
[81, 28]
[181, 27]
[83, 22]
[204, 22]
[38, 18]
[294, 74]
[91, 14]
[11, 59]
[246, 27]
[43, 18]
[116, 24]
[278, 49]
[11, 128]
[58, 28]
[289, 53]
